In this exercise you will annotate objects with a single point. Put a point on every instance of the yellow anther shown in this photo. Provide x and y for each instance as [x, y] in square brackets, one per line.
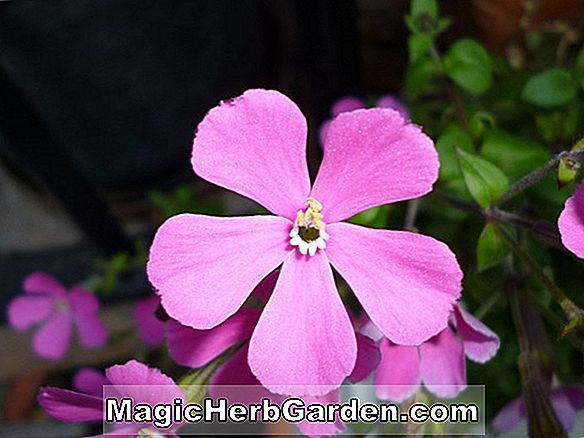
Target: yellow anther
[313, 204]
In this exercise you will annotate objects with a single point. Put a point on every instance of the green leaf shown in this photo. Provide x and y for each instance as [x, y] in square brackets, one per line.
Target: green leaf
[484, 181]
[194, 383]
[420, 75]
[469, 65]
[418, 46]
[516, 156]
[424, 7]
[479, 122]
[453, 137]
[491, 248]
[580, 67]
[550, 88]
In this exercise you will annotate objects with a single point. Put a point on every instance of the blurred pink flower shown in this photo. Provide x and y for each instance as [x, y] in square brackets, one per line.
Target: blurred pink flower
[566, 401]
[76, 407]
[150, 328]
[438, 363]
[204, 268]
[196, 348]
[571, 222]
[351, 103]
[47, 304]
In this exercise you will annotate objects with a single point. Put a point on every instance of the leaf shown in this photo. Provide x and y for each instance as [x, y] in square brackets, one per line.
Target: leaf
[194, 383]
[453, 136]
[550, 88]
[469, 65]
[580, 67]
[420, 75]
[484, 181]
[418, 46]
[491, 248]
[567, 171]
[424, 7]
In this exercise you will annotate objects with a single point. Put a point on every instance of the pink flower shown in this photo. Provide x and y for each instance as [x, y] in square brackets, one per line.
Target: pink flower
[150, 328]
[351, 103]
[204, 268]
[75, 407]
[47, 304]
[438, 363]
[566, 401]
[571, 222]
[197, 348]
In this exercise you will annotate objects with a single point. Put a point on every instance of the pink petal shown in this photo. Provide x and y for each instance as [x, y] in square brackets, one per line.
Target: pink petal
[368, 357]
[346, 104]
[406, 282]
[140, 376]
[195, 348]
[509, 416]
[264, 290]
[442, 364]
[389, 101]
[480, 342]
[575, 394]
[562, 407]
[398, 374]
[84, 310]
[39, 282]
[70, 406]
[205, 267]
[150, 328]
[571, 222]
[372, 157]
[90, 381]
[304, 336]
[27, 310]
[255, 145]
[322, 429]
[52, 340]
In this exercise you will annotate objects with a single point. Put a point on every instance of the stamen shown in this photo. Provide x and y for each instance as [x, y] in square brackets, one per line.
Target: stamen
[308, 233]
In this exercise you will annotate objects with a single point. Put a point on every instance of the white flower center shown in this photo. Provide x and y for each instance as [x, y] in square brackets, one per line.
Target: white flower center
[61, 305]
[308, 233]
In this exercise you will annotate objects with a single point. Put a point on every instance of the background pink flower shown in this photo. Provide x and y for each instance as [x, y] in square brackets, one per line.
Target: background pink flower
[204, 268]
[54, 310]
[571, 222]
[150, 328]
[438, 363]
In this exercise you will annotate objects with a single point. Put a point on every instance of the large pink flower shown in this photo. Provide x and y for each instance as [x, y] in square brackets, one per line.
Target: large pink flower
[571, 222]
[205, 267]
[439, 362]
[55, 310]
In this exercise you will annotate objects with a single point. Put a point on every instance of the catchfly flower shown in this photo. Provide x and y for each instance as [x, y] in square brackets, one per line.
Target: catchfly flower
[571, 222]
[55, 310]
[204, 268]
[150, 328]
[438, 363]
[130, 380]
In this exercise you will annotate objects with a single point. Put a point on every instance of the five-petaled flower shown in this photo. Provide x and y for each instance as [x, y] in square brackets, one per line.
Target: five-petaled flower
[55, 310]
[204, 268]
[571, 222]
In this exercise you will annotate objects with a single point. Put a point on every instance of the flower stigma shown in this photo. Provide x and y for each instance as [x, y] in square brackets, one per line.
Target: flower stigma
[308, 233]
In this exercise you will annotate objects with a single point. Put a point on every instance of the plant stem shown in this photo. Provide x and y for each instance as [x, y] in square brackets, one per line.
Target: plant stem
[538, 174]
[411, 214]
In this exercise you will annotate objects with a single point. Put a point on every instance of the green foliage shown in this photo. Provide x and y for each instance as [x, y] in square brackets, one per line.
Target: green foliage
[484, 181]
[491, 248]
[469, 65]
[452, 137]
[550, 88]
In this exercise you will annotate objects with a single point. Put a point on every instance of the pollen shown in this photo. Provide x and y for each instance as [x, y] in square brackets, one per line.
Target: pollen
[308, 233]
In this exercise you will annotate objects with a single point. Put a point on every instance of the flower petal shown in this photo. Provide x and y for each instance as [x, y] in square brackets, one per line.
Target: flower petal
[509, 416]
[304, 336]
[389, 101]
[312, 429]
[205, 267]
[571, 222]
[346, 104]
[442, 364]
[90, 381]
[70, 406]
[562, 407]
[39, 282]
[27, 310]
[150, 328]
[52, 340]
[84, 310]
[480, 342]
[406, 282]
[368, 358]
[398, 374]
[372, 157]
[255, 145]
[195, 348]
